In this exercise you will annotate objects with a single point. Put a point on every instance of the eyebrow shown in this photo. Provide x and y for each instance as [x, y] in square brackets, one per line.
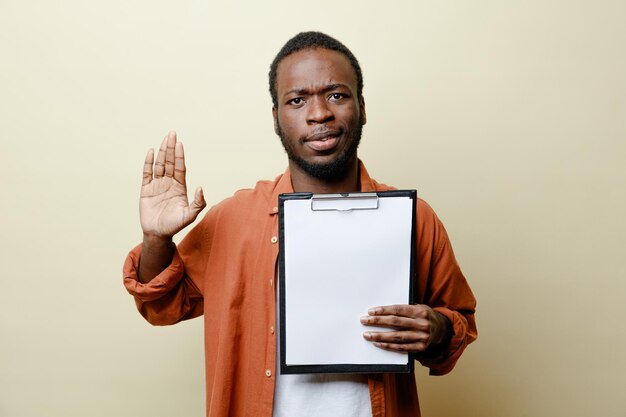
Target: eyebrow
[325, 89]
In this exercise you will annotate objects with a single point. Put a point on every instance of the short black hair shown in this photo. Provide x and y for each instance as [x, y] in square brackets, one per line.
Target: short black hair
[312, 40]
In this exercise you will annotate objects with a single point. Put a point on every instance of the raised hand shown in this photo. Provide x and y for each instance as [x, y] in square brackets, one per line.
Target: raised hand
[164, 209]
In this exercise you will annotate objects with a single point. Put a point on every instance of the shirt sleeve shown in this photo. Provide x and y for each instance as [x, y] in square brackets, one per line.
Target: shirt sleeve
[169, 297]
[176, 293]
[443, 287]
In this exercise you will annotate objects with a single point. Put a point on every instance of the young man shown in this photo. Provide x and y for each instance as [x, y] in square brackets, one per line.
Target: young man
[225, 268]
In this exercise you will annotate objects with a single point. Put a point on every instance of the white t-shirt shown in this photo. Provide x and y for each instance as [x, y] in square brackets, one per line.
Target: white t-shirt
[322, 395]
[319, 395]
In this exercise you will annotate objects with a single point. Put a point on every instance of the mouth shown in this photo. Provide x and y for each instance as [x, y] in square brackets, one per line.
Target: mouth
[323, 141]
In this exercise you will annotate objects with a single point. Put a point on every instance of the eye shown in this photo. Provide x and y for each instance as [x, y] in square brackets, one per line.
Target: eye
[296, 101]
[336, 96]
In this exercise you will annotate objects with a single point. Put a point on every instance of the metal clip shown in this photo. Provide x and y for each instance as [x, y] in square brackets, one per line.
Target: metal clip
[344, 202]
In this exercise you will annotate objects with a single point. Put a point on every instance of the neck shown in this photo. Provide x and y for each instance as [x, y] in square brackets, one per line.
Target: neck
[304, 183]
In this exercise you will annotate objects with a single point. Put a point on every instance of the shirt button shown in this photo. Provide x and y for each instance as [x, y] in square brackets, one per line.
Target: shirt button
[275, 209]
[274, 239]
[268, 373]
[272, 329]
[271, 282]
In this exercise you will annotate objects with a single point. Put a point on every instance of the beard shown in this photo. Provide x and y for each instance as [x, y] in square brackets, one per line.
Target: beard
[330, 171]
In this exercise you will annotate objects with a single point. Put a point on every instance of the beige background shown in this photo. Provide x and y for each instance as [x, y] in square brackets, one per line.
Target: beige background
[508, 117]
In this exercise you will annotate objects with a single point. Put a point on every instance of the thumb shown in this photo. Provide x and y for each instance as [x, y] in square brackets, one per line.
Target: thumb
[197, 204]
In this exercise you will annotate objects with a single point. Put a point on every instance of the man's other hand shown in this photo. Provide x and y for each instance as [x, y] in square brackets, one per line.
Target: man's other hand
[414, 328]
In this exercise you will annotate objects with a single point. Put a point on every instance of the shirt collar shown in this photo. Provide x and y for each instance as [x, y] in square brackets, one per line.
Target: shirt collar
[367, 183]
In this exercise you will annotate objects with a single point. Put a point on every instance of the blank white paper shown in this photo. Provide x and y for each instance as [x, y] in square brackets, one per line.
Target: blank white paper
[338, 264]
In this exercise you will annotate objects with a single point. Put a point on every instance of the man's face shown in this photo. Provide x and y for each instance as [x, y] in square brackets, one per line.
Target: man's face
[319, 117]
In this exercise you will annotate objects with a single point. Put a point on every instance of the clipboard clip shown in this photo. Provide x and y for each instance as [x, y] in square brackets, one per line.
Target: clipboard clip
[344, 202]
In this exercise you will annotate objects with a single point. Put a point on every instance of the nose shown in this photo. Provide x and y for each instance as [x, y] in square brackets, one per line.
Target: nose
[319, 111]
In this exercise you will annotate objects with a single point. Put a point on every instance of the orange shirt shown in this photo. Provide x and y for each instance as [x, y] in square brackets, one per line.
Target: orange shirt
[225, 268]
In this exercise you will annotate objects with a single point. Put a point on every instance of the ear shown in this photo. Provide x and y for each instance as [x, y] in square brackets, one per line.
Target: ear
[275, 116]
[362, 108]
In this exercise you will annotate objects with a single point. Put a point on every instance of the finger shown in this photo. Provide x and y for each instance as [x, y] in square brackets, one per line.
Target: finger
[402, 347]
[147, 167]
[404, 310]
[196, 206]
[198, 202]
[169, 154]
[397, 337]
[159, 165]
[179, 163]
[396, 322]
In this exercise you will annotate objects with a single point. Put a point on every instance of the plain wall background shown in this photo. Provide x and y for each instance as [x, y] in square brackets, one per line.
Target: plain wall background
[508, 117]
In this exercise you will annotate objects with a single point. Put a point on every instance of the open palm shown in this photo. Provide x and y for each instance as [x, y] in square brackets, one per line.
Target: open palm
[163, 208]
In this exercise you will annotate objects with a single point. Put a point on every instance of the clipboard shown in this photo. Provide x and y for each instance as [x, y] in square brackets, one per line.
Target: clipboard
[341, 254]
